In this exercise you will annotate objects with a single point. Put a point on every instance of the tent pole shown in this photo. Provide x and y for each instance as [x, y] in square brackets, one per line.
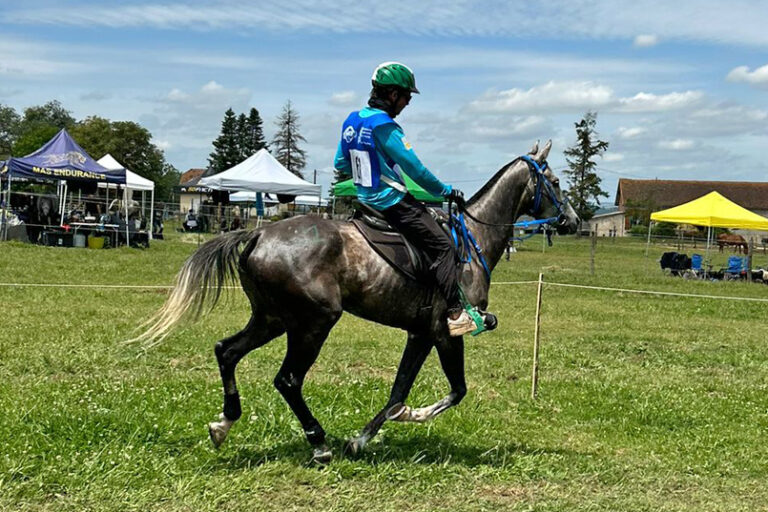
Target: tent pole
[4, 229]
[648, 243]
[63, 202]
[151, 212]
[709, 234]
[125, 202]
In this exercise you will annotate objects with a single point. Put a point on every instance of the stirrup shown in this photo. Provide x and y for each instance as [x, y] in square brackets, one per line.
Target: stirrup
[483, 320]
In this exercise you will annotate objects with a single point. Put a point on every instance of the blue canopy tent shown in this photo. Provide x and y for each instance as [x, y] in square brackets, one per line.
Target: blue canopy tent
[60, 160]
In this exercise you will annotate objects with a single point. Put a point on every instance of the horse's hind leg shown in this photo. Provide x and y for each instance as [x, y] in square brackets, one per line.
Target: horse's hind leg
[229, 352]
[416, 351]
[304, 344]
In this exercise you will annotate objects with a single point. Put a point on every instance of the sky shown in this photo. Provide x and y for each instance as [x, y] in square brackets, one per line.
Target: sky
[680, 88]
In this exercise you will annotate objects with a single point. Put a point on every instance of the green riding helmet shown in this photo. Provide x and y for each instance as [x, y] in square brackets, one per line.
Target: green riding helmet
[394, 73]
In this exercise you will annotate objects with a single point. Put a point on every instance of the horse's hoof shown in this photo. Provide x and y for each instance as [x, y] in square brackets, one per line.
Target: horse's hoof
[353, 447]
[491, 322]
[321, 455]
[218, 430]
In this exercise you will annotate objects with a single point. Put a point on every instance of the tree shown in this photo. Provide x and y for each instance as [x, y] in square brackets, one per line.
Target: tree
[52, 113]
[131, 145]
[286, 141]
[251, 133]
[242, 137]
[39, 124]
[32, 138]
[584, 181]
[9, 130]
[226, 148]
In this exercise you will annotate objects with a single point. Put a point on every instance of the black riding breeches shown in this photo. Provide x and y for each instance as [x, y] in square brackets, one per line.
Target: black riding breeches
[411, 218]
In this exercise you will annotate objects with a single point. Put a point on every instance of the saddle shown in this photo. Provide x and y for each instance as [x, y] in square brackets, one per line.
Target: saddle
[392, 246]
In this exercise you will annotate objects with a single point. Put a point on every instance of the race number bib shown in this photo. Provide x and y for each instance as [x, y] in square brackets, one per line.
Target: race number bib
[361, 167]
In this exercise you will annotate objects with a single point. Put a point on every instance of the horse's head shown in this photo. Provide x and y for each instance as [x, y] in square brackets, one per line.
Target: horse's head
[548, 200]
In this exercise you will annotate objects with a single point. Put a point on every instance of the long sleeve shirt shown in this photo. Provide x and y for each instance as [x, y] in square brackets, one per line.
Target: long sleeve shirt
[391, 145]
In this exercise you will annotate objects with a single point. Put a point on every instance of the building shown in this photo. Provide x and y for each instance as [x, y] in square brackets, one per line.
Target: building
[191, 196]
[637, 199]
[607, 224]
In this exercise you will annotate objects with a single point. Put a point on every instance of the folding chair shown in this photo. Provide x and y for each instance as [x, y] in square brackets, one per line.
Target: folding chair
[735, 268]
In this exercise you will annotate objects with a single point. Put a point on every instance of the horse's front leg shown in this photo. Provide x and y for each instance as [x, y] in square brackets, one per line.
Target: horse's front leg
[416, 351]
[451, 352]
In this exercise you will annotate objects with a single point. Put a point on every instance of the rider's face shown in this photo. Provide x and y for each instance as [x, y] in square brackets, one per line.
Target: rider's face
[400, 100]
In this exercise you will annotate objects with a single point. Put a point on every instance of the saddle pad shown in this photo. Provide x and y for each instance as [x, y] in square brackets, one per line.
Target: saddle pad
[394, 249]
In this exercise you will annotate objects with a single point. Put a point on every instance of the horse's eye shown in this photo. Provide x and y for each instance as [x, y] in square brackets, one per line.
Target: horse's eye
[556, 182]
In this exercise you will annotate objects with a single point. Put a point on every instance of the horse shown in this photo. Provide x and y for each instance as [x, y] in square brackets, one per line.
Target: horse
[732, 239]
[302, 273]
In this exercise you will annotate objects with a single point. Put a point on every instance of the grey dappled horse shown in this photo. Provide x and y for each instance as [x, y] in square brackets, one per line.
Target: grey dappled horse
[302, 273]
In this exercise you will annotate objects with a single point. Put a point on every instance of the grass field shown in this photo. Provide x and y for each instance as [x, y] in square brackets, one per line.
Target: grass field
[647, 402]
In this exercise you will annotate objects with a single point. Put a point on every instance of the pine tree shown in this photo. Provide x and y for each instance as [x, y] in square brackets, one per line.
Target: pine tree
[286, 141]
[256, 139]
[242, 137]
[226, 151]
[584, 181]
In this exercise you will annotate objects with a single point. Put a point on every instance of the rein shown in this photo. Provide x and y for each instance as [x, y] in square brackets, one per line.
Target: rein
[464, 240]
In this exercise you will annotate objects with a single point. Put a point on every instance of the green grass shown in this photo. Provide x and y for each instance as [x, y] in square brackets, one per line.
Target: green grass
[646, 402]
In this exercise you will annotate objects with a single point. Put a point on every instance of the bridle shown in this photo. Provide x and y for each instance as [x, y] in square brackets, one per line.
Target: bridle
[537, 174]
[464, 240]
[538, 177]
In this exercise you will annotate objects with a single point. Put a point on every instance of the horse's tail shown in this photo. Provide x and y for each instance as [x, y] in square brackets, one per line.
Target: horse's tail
[199, 283]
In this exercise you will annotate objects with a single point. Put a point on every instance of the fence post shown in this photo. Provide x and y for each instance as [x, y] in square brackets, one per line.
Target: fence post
[593, 237]
[535, 376]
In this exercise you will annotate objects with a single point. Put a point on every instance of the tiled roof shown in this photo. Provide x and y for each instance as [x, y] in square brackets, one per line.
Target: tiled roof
[190, 175]
[669, 193]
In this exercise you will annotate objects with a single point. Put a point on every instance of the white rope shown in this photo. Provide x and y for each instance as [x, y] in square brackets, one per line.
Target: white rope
[128, 286]
[651, 292]
[565, 285]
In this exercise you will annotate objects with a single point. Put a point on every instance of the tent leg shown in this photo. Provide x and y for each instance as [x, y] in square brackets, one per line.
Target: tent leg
[63, 203]
[6, 204]
[151, 212]
[648, 243]
[709, 235]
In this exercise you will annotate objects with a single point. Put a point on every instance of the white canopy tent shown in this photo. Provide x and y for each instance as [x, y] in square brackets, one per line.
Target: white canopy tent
[260, 172]
[132, 182]
[238, 197]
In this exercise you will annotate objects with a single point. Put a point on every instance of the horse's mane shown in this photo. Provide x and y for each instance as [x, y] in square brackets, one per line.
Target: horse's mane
[492, 182]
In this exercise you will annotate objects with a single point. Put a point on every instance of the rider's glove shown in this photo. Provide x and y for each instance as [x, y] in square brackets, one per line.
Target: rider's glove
[457, 196]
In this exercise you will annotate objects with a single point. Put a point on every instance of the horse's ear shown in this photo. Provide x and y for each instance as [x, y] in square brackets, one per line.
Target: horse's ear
[534, 149]
[544, 152]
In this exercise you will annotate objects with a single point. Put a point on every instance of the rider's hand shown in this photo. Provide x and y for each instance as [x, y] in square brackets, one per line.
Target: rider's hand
[457, 196]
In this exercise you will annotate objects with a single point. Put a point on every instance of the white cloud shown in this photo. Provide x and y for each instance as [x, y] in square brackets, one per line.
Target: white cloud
[212, 86]
[677, 144]
[646, 40]
[648, 102]
[758, 77]
[552, 96]
[613, 157]
[630, 133]
[343, 99]
[703, 20]
[163, 144]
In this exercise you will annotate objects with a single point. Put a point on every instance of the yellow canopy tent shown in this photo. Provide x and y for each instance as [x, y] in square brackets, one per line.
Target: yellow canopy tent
[711, 210]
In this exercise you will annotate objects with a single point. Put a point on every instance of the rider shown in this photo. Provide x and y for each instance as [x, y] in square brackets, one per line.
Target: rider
[373, 148]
